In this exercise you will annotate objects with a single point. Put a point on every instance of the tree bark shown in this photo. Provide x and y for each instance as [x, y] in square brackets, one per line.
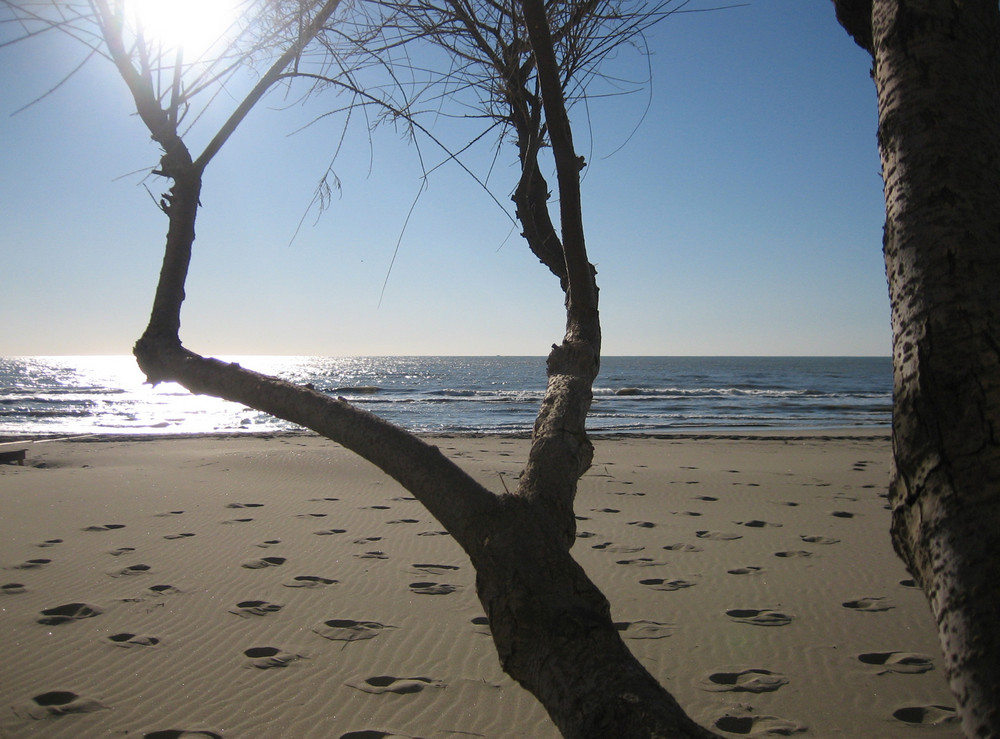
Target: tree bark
[937, 74]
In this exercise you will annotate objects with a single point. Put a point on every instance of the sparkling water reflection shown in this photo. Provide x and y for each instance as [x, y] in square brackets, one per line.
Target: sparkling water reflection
[45, 396]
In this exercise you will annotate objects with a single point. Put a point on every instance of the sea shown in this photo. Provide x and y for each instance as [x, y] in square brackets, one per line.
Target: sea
[46, 397]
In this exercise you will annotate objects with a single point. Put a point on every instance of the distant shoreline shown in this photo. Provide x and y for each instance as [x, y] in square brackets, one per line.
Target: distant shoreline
[867, 433]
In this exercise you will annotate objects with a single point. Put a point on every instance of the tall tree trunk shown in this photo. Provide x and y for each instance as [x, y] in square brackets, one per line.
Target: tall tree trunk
[937, 74]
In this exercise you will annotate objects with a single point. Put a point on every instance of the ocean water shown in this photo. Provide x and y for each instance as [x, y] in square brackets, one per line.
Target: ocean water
[65, 396]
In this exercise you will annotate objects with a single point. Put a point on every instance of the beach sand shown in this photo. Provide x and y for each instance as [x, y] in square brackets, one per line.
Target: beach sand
[282, 587]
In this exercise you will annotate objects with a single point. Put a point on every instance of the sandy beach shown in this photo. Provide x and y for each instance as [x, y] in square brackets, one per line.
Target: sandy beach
[282, 587]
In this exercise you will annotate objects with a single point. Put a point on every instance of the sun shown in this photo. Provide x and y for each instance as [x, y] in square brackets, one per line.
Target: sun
[193, 26]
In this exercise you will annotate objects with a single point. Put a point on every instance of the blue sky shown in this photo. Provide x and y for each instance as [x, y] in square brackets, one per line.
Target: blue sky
[742, 217]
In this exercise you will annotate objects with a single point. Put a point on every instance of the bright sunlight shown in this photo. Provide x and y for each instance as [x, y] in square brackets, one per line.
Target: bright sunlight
[191, 25]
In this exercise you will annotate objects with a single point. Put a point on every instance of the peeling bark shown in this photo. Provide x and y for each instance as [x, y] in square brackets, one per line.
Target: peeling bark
[937, 75]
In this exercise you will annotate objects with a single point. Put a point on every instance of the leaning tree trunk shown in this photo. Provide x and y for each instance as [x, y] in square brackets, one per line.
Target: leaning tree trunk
[937, 74]
[552, 626]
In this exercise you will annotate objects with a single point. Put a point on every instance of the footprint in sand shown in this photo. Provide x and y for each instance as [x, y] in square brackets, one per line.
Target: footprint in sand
[819, 539]
[643, 524]
[168, 514]
[403, 520]
[68, 612]
[757, 524]
[162, 590]
[236, 520]
[13, 588]
[244, 505]
[659, 583]
[432, 588]
[104, 527]
[250, 608]
[756, 617]
[181, 733]
[909, 583]
[258, 564]
[58, 703]
[266, 658]
[434, 569]
[31, 564]
[346, 629]
[311, 515]
[718, 535]
[367, 540]
[481, 625]
[687, 513]
[131, 570]
[644, 629]
[120, 551]
[373, 734]
[330, 532]
[374, 508]
[389, 684]
[909, 663]
[605, 510]
[372, 555]
[707, 498]
[617, 548]
[308, 581]
[269, 543]
[843, 514]
[793, 554]
[178, 536]
[640, 562]
[680, 547]
[933, 715]
[128, 640]
[753, 680]
[872, 604]
[585, 534]
[759, 725]
[433, 533]
[322, 500]
[748, 570]
[49, 543]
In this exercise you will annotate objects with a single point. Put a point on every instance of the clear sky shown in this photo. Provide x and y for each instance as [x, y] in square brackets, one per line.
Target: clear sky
[743, 217]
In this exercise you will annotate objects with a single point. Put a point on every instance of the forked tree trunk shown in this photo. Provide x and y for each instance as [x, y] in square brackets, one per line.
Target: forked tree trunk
[551, 625]
[937, 74]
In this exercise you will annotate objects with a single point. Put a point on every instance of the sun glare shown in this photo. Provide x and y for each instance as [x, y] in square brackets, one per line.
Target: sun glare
[191, 25]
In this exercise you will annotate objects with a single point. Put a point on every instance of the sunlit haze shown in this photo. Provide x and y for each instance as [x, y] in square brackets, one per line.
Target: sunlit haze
[191, 25]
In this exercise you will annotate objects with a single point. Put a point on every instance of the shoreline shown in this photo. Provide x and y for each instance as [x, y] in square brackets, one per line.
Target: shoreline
[733, 434]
